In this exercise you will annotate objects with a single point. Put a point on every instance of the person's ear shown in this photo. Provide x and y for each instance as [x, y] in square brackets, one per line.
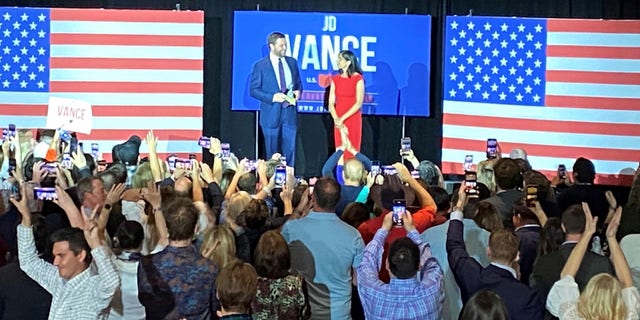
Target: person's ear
[489, 253]
[386, 265]
[82, 256]
[564, 230]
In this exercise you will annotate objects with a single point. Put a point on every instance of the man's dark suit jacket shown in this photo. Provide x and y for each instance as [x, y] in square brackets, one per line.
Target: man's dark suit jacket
[504, 203]
[529, 237]
[521, 301]
[546, 270]
[264, 85]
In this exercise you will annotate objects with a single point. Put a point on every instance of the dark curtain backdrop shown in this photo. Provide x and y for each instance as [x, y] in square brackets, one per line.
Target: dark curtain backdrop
[381, 135]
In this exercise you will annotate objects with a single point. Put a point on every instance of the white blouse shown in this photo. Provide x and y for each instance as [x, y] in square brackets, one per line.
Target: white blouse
[562, 300]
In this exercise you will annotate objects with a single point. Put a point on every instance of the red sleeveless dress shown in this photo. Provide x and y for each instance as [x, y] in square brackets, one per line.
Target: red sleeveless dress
[345, 90]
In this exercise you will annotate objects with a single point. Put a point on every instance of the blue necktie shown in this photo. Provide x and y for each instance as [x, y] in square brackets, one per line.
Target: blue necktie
[283, 81]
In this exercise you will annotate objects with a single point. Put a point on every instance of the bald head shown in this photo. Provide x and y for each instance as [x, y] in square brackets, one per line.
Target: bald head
[353, 171]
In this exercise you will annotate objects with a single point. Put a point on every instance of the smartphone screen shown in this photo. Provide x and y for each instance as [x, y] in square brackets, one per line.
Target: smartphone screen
[204, 142]
[5, 133]
[226, 150]
[184, 164]
[405, 144]
[375, 167]
[281, 176]
[12, 130]
[50, 167]
[468, 162]
[73, 146]
[250, 165]
[45, 193]
[399, 207]
[66, 161]
[470, 179]
[492, 148]
[562, 171]
[95, 150]
[532, 194]
[415, 174]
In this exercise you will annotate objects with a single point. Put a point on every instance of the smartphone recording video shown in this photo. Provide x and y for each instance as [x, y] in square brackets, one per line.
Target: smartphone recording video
[532, 195]
[405, 144]
[375, 167]
[471, 183]
[468, 162]
[562, 171]
[204, 142]
[12, 131]
[399, 207]
[492, 148]
[226, 150]
[45, 194]
[281, 176]
[184, 164]
[95, 151]
[50, 167]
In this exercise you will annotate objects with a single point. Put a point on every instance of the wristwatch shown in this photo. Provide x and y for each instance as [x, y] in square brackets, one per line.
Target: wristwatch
[107, 206]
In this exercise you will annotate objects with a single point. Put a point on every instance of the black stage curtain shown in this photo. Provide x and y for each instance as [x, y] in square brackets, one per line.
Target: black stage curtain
[381, 135]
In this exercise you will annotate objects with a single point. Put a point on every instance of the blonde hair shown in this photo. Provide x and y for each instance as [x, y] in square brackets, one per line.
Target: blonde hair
[601, 299]
[142, 176]
[485, 174]
[236, 204]
[219, 246]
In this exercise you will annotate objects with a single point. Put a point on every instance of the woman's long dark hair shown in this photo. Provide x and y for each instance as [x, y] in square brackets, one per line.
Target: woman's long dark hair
[354, 66]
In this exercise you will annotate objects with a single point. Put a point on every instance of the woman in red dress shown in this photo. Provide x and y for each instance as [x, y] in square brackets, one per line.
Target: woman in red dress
[345, 101]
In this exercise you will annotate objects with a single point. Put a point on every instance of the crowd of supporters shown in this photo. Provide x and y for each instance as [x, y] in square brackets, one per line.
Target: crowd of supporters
[151, 238]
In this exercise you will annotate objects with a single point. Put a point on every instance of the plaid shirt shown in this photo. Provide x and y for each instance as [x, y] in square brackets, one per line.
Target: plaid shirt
[420, 297]
[85, 296]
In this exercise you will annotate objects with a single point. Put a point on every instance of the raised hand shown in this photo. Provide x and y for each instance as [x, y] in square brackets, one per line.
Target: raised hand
[152, 195]
[91, 229]
[115, 193]
[286, 194]
[591, 221]
[407, 221]
[38, 172]
[612, 229]
[403, 172]
[613, 203]
[207, 173]
[23, 206]
[151, 141]
[78, 160]
[216, 147]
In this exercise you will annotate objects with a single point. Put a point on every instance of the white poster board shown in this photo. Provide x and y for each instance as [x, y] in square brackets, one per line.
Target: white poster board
[69, 114]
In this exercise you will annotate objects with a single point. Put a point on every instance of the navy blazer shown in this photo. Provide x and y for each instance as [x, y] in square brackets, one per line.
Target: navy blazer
[264, 85]
[521, 301]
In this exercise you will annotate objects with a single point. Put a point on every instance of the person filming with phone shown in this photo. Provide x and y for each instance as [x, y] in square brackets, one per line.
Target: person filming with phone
[408, 257]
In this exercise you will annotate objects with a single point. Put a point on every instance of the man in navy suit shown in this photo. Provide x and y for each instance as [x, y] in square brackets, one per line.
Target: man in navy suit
[272, 79]
[522, 302]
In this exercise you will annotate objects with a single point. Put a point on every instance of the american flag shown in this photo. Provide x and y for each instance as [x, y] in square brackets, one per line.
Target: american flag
[558, 88]
[139, 69]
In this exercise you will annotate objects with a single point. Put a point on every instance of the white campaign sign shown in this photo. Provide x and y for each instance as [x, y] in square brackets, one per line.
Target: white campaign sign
[69, 114]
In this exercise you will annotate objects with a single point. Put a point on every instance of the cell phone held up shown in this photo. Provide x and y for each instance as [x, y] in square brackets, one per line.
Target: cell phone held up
[492, 148]
[562, 171]
[471, 183]
[281, 176]
[45, 193]
[405, 145]
[399, 207]
[204, 142]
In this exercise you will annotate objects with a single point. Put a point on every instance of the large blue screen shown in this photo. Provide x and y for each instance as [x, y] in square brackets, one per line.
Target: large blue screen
[393, 50]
